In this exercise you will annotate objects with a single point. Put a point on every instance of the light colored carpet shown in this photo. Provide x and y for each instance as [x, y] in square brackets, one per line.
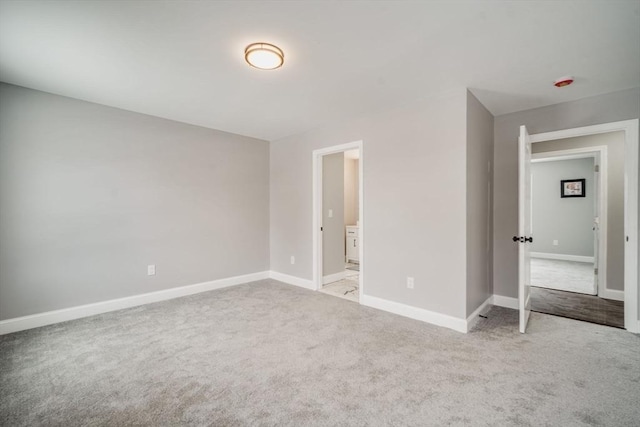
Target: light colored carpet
[269, 354]
[563, 275]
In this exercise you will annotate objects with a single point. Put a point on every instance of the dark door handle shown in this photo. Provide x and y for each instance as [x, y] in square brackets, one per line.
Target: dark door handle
[518, 239]
[528, 239]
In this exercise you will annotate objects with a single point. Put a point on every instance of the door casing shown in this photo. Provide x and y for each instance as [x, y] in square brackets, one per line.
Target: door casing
[317, 211]
[630, 129]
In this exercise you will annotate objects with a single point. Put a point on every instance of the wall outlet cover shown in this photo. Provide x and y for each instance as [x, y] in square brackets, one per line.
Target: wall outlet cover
[151, 270]
[293, 259]
[410, 282]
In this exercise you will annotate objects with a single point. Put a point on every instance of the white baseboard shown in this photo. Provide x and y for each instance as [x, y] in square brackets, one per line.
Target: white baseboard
[330, 278]
[563, 257]
[50, 317]
[416, 313]
[507, 302]
[475, 316]
[292, 280]
[612, 294]
[461, 325]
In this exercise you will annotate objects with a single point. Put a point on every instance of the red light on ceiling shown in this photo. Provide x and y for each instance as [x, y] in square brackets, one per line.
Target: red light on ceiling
[563, 81]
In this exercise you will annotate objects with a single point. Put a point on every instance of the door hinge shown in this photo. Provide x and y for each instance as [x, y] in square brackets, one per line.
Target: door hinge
[597, 168]
[595, 271]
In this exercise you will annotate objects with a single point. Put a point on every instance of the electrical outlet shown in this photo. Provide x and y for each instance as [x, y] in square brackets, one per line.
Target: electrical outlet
[555, 243]
[151, 270]
[293, 259]
[410, 282]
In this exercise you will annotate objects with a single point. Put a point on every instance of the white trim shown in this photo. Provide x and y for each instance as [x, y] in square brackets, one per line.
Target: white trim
[613, 294]
[360, 221]
[571, 154]
[475, 316]
[602, 210]
[416, 313]
[585, 130]
[330, 278]
[630, 129]
[292, 280]
[317, 210]
[50, 317]
[562, 257]
[316, 218]
[502, 301]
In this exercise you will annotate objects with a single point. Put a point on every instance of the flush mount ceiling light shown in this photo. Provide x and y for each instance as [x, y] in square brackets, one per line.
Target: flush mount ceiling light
[264, 56]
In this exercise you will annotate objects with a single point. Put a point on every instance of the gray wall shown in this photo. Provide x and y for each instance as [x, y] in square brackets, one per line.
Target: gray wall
[90, 195]
[479, 206]
[614, 141]
[567, 220]
[611, 107]
[414, 165]
[333, 239]
[351, 183]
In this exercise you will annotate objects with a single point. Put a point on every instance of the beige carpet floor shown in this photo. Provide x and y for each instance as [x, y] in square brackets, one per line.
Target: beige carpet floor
[270, 354]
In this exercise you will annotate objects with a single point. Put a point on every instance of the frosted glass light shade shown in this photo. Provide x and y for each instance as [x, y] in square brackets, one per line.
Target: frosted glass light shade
[264, 56]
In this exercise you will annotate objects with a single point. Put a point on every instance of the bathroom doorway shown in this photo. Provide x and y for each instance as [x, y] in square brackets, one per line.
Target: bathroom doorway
[337, 221]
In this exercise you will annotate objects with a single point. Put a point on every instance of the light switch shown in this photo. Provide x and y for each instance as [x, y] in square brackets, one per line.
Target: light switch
[330, 213]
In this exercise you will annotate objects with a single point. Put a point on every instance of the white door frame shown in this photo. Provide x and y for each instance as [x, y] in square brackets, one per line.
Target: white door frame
[630, 129]
[317, 211]
[599, 154]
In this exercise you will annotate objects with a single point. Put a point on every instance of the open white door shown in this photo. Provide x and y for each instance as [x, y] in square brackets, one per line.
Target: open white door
[524, 227]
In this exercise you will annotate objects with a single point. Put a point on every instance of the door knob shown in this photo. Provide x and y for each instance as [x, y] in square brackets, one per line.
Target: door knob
[522, 239]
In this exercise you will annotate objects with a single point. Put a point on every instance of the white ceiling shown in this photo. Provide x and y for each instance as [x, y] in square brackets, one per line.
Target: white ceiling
[184, 60]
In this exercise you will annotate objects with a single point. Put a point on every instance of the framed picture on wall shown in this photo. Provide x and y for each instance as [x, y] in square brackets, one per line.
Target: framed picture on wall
[573, 188]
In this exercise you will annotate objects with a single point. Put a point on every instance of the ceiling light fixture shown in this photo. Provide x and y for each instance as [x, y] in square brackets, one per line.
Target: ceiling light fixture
[264, 56]
[563, 81]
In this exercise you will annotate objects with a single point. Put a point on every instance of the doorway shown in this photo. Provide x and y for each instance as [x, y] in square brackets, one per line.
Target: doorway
[615, 268]
[570, 229]
[569, 262]
[338, 232]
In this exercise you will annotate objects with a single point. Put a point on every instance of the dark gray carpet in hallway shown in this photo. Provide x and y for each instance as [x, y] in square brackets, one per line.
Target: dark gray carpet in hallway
[267, 353]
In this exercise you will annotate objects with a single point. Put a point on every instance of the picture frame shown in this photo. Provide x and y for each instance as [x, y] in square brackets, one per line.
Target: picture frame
[573, 188]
